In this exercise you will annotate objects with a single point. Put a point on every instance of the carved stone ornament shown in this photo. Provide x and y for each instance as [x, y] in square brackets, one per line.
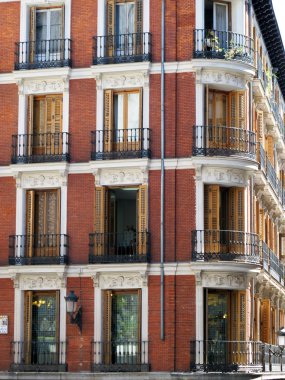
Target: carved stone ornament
[120, 281]
[121, 177]
[37, 282]
[219, 175]
[42, 181]
[124, 81]
[224, 280]
[45, 86]
[223, 78]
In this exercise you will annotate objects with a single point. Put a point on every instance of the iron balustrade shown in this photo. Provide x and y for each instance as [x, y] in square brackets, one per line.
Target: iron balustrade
[274, 358]
[223, 141]
[43, 54]
[225, 356]
[120, 247]
[120, 143]
[122, 48]
[215, 44]
[40, 147]
[41, 355]
[121, 355]
[38, 249]
[272, 264]
[225, 245]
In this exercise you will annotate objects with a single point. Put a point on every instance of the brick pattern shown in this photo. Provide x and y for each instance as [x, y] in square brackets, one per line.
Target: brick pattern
[6, 308]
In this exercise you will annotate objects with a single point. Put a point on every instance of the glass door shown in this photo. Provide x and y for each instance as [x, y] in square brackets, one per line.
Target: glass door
[125, 28]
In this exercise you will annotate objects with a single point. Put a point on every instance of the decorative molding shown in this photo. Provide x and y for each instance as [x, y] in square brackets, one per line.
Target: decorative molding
[120, 280]
[224, 280]
[44, 2]
[28, 181]
[218, 175]
[110, 177]
[45, 86]
[124, 81]
[223, 78]
[43, 281]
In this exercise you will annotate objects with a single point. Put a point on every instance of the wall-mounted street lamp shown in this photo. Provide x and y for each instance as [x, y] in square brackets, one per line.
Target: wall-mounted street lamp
[281, 345]
[74, 312]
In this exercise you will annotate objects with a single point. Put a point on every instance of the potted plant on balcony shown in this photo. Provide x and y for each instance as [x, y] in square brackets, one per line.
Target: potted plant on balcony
[212, 42]
[234, 51]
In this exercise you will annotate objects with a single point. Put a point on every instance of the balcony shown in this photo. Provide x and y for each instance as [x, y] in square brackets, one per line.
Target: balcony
[38, 249]
[39, 356]
[215, 44]
[226, 356]
[125, 247]
[272, 264]
[122, 143]
[122, 48]
[120, 356]
[43, 54]
[223, 141]
[225, 245]
[41, 147]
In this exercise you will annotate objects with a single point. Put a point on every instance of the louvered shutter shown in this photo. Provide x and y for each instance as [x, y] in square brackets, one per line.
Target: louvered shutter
[107, 320]
[270, 149]
[256, 336]
[236, 219]
[30, 120]
[62, 32]
[238, 109]
[139, 27]
[32, 43]
[265, 321]
[260, 122]
[28, 301]
[212, 218]
[101, 219]
[30, 222]
[110, 27]
[238, 325]
[273, 325]
[142, 212]
[57, 143]
[52, 222]
[108, 120]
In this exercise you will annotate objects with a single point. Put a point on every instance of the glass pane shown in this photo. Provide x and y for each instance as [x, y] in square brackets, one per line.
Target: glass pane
[41, 26]
[217, 316]
[131, 17]
[133, 116]
[121, 11]
[119, 117]
[55, 24]
[221, 110]
[221, 17]
[125, 317]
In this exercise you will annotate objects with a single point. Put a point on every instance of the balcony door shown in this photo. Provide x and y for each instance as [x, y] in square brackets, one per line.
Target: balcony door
[124, 23]
[122, 327]
[45, 125]
[41, 328]
[43, 223]
[123, 121]
[46, 34]
[220, 19]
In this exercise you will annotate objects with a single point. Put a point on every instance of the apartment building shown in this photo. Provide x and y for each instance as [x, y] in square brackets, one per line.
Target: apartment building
[142, 188]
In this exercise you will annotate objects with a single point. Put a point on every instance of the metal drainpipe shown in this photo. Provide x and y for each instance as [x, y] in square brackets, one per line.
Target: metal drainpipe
[162, 335]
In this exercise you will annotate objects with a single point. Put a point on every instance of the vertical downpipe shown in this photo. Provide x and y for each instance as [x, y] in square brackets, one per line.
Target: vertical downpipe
[162, 335]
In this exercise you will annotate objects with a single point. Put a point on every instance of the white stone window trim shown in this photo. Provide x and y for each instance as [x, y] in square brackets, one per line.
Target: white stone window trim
[116, 281]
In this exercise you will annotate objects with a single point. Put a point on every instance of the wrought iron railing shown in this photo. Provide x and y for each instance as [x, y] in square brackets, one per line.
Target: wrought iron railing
[43, 54]
[45, 354]
[128, 246]
[38, 249]
[272, 264]
[121, 355]
[121, 143]
[217, 44]
[225, 245]
[274, 358]
[40, 147]
[225, 356]
[223, 141]
[121, 48]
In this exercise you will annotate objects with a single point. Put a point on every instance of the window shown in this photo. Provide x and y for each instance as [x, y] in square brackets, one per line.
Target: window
[43, 223]
[122, 327]
[45, 125]
[122, 120]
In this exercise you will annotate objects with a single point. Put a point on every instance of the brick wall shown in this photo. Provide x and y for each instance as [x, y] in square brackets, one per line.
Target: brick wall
[6, 308]
[80, 216]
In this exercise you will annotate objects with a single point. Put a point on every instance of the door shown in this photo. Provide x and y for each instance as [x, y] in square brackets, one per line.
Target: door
[43, 223]
[217, 120]
[45, 125]
[41, 328]
[122, 336]
[46, 30]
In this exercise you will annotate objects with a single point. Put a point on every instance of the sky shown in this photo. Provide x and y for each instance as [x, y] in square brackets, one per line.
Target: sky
[279, 9]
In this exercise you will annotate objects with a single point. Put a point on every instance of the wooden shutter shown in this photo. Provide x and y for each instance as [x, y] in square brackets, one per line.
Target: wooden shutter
[237, 101]
[101, 219]
[236, 219]
[270, 149]
[273, 325]
[107, 320]
[28, 325]
[30, 222]
[256, 332]
[259, 125]
[30, 121]
[265, 321]
[261, 225]
[238, 315]
[142, 216]
[32, 47]
[212, 218]
[57, 143]
[108, 120]
[139, 28]
[110, 27]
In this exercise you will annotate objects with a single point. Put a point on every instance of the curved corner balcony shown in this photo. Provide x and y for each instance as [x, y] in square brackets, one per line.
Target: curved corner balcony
[215, 44]
[225, 245]
[223, 141]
